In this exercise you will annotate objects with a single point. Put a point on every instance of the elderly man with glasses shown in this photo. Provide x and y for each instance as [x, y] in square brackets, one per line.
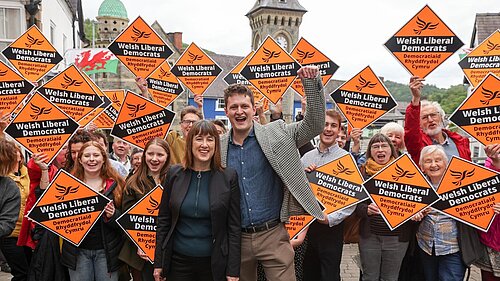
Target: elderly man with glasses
[425, 125]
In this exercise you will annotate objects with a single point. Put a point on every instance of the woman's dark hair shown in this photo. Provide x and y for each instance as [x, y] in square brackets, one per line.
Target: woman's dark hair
[380, 138]
[81, 136]
[8, 157]
[202, 127]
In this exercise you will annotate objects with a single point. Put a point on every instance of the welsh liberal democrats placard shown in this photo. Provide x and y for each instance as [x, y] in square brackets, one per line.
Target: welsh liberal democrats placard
[297, 224]
[271, 70]
[141, 120]
[483, 59]
[32, 54]
[468, 192]
[40, 126]
[13, 89]
[72, 92]
[306, 54]
[140, 48]
[400, 191]
[338, 184]
[139, 222]
[196, 69]
[106, 103]
[363, 99]
[479, 113]
[423, 43]
[106, 120]
[68, 208]
[164, 85]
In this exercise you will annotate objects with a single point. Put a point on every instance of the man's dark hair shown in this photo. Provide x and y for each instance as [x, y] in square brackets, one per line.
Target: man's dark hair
[237, 89]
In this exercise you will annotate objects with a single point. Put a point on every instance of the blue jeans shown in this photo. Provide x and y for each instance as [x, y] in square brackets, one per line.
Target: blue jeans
[91, 265]
[443, 268]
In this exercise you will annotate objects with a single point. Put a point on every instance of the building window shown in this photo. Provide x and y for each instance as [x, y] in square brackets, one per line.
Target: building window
[65, 43]
[224, 120]
[282, 1]
[219, 104]
[475, 152]
[11, 21]
[52, 33]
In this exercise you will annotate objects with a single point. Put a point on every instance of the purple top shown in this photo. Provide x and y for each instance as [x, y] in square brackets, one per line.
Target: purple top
[492, 237]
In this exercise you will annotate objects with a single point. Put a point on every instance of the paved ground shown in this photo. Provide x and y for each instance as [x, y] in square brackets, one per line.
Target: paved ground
[350, 271]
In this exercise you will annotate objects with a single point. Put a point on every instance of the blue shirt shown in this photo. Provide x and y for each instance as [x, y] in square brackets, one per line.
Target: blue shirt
[449, 147]
[261, 188]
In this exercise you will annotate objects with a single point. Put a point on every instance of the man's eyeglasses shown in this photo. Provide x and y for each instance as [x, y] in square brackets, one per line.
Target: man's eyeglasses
[433, 115]
[188, 122]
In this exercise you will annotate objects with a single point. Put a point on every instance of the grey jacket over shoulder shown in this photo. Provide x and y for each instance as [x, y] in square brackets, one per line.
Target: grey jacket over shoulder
[10, 202]
[280, 142]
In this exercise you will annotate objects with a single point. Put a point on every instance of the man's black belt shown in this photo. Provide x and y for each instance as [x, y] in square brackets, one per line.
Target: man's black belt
[261, 227]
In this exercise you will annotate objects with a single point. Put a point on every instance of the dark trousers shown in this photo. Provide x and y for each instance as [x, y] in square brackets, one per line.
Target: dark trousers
[443, 268]
[17, 257]
[324, 252]
[184, 268]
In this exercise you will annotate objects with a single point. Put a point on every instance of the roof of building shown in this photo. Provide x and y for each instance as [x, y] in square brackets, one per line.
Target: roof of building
[290, 5]
[227, 63]
[112, 8]
[485, 25]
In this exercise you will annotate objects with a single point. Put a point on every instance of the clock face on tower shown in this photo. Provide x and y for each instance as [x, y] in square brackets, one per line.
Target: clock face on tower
[280, 39]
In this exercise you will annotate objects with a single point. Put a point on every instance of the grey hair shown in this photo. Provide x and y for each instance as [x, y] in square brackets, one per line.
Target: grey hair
[392, 127]
[439, 109]
[429, 150]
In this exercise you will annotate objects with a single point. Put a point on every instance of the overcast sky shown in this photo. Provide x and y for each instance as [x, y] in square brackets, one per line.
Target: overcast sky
[351, 33]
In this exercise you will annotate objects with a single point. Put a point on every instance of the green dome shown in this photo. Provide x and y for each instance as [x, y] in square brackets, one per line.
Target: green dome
[112, 8]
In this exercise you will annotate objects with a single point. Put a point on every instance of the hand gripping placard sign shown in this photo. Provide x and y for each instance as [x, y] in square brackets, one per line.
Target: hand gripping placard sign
[468, 192]
[139, 222]
[400, 191]
[68, 208]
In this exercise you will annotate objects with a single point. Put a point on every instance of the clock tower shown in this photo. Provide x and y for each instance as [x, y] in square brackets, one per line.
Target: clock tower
[279, 18]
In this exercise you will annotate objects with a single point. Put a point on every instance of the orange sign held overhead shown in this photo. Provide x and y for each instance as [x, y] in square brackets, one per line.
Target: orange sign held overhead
[338, 184]
[72, 92]
[423, 43]
[68, 208]
[485, 58]
[196, 69]
[363, 99]
[468, 192]
[139, 222]
[40, 126]
[307, 54]
[400, 191]
[271, 70]
[106, 120]
[479, 113]
[297, 224]
[234, 77]
[13, 89]
[139, 48]
[141, 120]
[32, 54]
[164, 85]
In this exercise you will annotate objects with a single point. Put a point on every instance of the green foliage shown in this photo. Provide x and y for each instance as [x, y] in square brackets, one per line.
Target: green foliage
[449, 98]
[87, 26]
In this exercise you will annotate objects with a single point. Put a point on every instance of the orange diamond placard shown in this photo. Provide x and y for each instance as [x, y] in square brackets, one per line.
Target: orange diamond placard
[13, 89]
[338, 184]
[483, 59]
[423, 43]
[271, 70]
[297, 224]
[140, 48]
[32, 54]
[72, 92]
[106, 120]
[479, 113]
[141, 120]
[363, 99]
[196, 69]
[40, 126]
[139, 222]
[468, 192]
[400, 191]
[234, 77]
[164, 85]
[306, 54]
[68, 208]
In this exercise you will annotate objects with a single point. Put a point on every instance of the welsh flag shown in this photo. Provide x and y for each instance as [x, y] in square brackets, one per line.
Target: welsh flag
[92, 60]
